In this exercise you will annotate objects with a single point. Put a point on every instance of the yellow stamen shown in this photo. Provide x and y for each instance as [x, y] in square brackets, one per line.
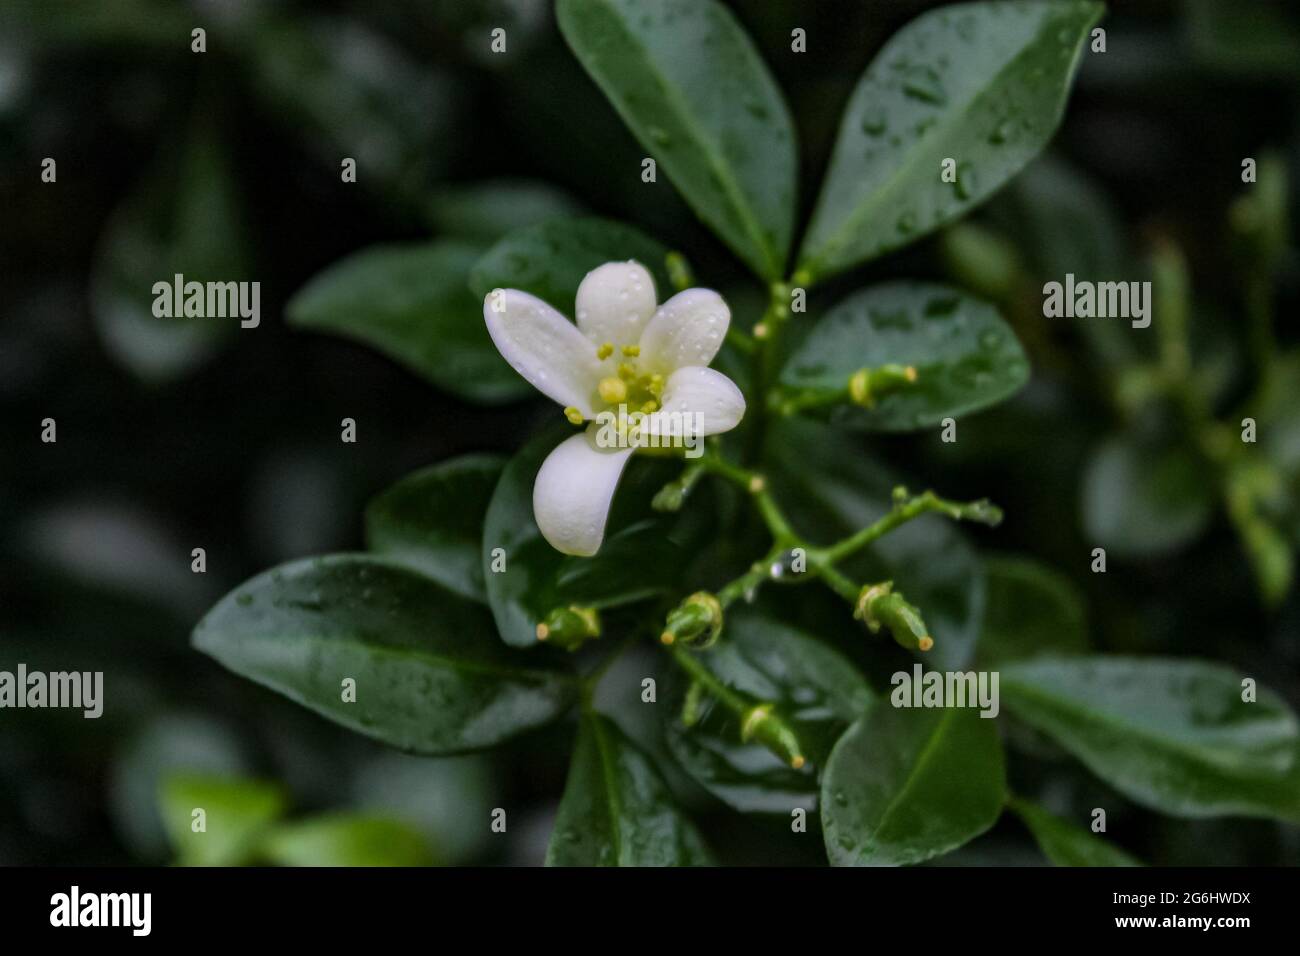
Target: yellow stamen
[797, 761]
[656, 386]
[543, 632]
[573, 415]
[631, 351]
[925, 643]
[605, 351]
[612, 390]
[649, 407]
[666, 637]
[756, 484]
[626, 371]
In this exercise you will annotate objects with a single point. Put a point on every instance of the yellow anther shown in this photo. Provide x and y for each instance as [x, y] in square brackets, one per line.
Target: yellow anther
[651, 406]
[797, 761]
[612, 390]
[656, 385]
[626, 371]
[756, 484]
[605, 351]
[631, 351]
[543, 632]
[573, 415]
[925, 643]
[667, 638]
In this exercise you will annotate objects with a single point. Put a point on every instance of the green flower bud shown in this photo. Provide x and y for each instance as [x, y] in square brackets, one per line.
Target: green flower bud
[670, 497]
[880, 606]
[761, 724]
[569, 627]
[696, 622]
[866, 385]
[679, 271]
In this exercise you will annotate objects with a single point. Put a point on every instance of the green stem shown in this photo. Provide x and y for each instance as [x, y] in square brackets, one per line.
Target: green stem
[690, 663]
[981, 511]
[837, 582]
[786, 403]
[758, 572]
[756, 485]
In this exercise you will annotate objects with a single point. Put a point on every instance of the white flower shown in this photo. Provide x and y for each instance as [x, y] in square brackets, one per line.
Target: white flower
[625, 355]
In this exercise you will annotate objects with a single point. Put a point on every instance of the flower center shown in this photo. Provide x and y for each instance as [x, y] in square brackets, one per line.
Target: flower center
[629, 386]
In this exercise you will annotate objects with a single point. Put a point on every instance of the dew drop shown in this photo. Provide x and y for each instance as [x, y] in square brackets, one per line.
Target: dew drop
[923, 83]
[874, 122]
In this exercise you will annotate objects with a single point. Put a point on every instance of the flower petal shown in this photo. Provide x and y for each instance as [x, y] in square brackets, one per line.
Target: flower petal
[543, 346]
[574, 488]
[687, 330]
[693, 391]
[615, 301]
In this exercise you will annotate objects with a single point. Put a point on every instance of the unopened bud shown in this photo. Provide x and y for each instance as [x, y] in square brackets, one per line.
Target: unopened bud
[880, 606]
[670, 497]
[761, 724]
[569, 627]
[679, 271]
[696, 622]
[866, 385]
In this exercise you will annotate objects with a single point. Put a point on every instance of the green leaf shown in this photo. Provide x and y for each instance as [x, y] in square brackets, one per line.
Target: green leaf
[1031, 611]
[347, 839]
[616, 809]
[688, 82]
[410, 302]
[430, 677]
[966, 358]
[1172, 735]
[816, 690]
[185, 219]
[1142, 497]
[1066, 844]
[637, 560]
[551, 259]
[489, 209]
[235, 815]
[432, 521]
[906, 785]
[983, 84]
[831, 487]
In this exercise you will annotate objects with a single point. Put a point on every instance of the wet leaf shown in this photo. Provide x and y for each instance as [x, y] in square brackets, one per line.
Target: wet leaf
[429, 675]
[616, 809]
[688, 82]
[982, 84]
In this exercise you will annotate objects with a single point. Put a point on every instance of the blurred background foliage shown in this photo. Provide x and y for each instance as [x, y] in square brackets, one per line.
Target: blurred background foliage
[173, 436]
